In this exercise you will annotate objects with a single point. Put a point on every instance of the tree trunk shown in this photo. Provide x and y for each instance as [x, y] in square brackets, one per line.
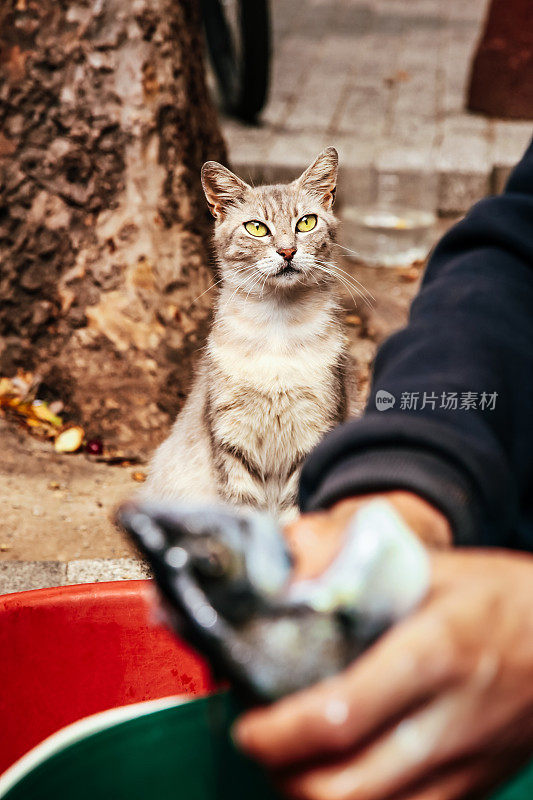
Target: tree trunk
[105, 121]
[501, 83]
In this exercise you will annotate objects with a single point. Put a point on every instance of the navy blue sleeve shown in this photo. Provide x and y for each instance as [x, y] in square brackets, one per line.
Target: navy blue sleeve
[460, 431]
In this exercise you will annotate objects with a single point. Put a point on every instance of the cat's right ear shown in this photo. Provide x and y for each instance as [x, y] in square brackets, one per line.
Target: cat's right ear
[320, 178]
[222, 188]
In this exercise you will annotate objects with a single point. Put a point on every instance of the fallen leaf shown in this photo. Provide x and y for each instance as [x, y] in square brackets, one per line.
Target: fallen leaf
[140, 477]
[352, 319]
[69, 440]
[400, 76]
[42, 411]
[410, 275]
[115, 457]
[6, 387]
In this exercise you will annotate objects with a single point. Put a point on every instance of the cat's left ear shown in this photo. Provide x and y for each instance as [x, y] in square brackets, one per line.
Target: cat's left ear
[320, 178]
[222, 188]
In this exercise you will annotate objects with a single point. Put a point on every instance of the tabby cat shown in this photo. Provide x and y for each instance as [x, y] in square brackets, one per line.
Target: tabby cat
[272, 379]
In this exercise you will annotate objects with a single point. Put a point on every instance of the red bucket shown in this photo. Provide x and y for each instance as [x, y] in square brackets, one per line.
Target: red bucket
[72, 651]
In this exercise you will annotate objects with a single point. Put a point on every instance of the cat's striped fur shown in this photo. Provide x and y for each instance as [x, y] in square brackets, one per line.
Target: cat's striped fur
[272, 379]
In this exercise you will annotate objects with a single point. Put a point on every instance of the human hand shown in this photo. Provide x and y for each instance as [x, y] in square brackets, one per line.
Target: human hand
[440, 707]
[316, 538]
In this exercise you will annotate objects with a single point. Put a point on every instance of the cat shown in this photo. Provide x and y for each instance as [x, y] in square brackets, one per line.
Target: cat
[272, 379]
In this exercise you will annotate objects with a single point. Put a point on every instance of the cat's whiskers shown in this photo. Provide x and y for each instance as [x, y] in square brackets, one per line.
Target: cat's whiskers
[238, 269]
[347, 280]
[329, 269]
[252, 287]
[309, 263]
[351, 277]
[348, 250]
[252, 269]
[248, 280]
[312, 263]
[212, 286]
[248, 277]
[263, 284]
[332, 274]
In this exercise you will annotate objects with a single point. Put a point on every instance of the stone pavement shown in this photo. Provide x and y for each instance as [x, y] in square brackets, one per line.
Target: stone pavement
[384, 81]
[19, 576]
[57, 512]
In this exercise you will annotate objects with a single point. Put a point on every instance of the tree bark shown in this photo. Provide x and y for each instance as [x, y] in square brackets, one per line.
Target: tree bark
[501, 82]
[105, 121]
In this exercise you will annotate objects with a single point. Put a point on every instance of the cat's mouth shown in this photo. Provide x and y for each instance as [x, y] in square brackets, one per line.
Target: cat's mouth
[286, 271]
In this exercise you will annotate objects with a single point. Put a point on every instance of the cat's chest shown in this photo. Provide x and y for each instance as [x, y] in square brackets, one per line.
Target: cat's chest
[273, 373]
[275, 407]
[272, 412]
[273, 429]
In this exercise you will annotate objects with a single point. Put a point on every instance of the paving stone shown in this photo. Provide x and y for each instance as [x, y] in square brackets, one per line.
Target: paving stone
[320, 91]
[408, 158]
[287, 83]
[376, 55]
[95, 570]
[364, 106]
[508, 139]
[19, 576]
[416, 97]
[458, 191]
[385, 82]
[469, 133]
[463, 163]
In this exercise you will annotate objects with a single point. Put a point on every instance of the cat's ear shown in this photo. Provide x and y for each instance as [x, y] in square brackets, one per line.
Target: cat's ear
[320, 178]
[222, 188]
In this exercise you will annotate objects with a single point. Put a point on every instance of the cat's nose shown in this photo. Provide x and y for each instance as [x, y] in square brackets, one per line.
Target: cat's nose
[287, 252]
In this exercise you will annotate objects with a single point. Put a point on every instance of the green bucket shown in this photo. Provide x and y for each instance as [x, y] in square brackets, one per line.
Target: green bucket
[179, 752]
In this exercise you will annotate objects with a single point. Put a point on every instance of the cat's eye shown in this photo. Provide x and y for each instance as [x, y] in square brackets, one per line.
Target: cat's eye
[306, 223]
[256, 228]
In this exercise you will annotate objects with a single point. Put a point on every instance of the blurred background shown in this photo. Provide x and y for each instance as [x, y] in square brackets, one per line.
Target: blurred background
[107, 111]
[387, 82]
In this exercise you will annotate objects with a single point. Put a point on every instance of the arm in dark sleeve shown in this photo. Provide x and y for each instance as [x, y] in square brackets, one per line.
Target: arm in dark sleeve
[470, 330]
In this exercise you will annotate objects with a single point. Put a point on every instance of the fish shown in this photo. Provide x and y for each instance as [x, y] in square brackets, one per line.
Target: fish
[225, 577]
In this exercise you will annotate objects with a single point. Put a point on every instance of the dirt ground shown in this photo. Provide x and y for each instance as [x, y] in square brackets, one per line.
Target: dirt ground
[59, 507]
